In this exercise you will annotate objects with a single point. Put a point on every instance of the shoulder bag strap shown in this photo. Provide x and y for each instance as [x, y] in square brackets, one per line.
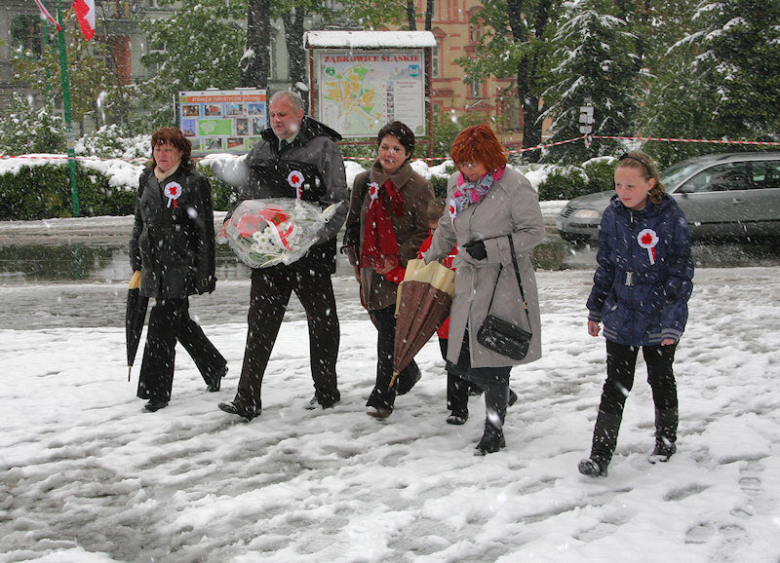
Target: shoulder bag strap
[519, 282]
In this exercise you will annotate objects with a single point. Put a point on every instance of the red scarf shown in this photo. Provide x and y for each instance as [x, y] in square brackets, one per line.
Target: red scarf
[380, 245]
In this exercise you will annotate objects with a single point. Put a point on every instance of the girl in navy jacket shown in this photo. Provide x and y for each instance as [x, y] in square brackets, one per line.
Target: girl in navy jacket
[640, 294]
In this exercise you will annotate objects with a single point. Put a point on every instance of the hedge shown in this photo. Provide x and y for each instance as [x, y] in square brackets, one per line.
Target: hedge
[573, 181]
[43, 192]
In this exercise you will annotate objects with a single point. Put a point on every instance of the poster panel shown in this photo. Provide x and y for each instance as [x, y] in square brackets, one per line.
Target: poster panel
[222, 120]
[359, 92]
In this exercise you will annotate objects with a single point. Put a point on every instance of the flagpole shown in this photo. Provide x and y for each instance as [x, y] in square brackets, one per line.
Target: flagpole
[74, 190]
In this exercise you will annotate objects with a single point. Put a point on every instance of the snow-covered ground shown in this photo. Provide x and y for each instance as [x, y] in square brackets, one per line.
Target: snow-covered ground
[87, 476]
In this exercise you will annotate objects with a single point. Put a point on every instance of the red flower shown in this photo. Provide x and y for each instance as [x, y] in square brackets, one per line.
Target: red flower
[248, 225]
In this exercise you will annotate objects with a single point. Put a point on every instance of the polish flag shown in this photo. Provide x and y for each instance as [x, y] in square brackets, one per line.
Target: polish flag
[85, 12]
[45, 13]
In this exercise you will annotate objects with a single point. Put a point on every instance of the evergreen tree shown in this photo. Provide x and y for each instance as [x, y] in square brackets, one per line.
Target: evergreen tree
[741, 40]
[598, 64]
[680, 98]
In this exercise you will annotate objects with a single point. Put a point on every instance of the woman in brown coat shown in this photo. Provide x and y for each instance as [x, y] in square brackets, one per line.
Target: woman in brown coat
[386, 223]
[489, 203]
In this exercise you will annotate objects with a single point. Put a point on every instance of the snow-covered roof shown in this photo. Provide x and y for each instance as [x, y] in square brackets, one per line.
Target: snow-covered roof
[368, 39]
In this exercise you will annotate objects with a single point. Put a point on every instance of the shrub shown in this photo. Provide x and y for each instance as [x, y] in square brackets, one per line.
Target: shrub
[223, 195]
[562, 182]
[26, 130]
[439, 185]
[110, 142]
[568, 182]
[601, 175]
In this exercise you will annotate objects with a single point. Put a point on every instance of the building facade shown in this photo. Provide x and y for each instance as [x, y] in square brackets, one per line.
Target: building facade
[454, 25]
[457, 29]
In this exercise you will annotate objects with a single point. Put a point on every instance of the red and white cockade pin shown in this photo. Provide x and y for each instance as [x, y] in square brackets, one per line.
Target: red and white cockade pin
[295, 179]
[373, 192]
[648, 239]
[172, 191]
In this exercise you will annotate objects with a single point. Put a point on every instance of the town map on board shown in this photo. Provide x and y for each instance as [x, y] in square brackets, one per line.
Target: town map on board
[360, 93]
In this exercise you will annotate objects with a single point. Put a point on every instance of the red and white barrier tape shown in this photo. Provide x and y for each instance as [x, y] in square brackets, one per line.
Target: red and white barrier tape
[586, 138]
[675, 140]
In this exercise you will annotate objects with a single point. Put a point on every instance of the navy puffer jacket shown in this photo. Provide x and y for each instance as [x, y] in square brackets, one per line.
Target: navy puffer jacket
[644, 275]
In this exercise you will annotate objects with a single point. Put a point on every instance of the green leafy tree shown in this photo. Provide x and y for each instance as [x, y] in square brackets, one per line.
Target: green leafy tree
[517, 44]
[598, 65]
[94, 88]
[198, 47]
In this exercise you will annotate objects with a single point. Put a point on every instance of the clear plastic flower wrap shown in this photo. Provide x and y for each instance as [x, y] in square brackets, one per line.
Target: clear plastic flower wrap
[266, 232]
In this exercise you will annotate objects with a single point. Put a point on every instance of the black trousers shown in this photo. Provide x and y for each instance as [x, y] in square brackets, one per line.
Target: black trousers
[382, 396]
[494, 381]
[458, 389]
[270, 294]
[621, 366]
[169, 322]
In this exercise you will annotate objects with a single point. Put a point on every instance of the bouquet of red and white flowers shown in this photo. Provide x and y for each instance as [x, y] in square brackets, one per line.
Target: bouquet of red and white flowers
[266, 232]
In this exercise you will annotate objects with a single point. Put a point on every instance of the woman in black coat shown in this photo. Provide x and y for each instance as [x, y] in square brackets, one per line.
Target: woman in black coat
[172, 252]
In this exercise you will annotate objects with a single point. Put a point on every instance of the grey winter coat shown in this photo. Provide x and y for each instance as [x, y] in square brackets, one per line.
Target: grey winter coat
[173, 245]
[511, 207]
[314, 155]
[411, 228]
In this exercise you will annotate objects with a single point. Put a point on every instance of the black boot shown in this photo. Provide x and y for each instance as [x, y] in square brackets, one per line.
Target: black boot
[496, 397]
[605, 436]
[492, 440]
[665, 435]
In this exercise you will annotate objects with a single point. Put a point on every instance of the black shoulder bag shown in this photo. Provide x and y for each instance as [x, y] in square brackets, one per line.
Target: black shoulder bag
[502, 336]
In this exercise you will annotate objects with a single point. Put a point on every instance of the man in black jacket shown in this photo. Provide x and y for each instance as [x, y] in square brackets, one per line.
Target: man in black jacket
[295, 146]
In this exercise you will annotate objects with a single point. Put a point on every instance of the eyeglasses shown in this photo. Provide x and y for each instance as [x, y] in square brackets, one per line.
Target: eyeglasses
[468, 164]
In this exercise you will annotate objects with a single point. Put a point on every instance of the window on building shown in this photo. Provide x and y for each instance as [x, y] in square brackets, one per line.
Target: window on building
[511, 114]
[475, 33]
[475, 89]
[436, 62]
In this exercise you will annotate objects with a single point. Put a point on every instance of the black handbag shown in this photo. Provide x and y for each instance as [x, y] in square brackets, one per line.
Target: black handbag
[499, 335]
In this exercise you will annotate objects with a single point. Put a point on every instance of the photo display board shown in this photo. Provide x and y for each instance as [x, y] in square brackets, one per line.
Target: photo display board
[359, 92]
[222, 120]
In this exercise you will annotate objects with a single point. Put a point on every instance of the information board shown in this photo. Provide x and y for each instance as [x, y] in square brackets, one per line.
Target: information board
[222, 120]
[359, 92]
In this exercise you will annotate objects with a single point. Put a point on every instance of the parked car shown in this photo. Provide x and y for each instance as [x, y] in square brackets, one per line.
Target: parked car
[735, 195]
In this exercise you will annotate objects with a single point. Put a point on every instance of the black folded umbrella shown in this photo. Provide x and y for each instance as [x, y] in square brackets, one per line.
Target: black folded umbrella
[134, 323]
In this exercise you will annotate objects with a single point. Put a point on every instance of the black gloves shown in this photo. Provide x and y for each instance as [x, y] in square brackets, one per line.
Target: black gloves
[476, 248]
[206, 285]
